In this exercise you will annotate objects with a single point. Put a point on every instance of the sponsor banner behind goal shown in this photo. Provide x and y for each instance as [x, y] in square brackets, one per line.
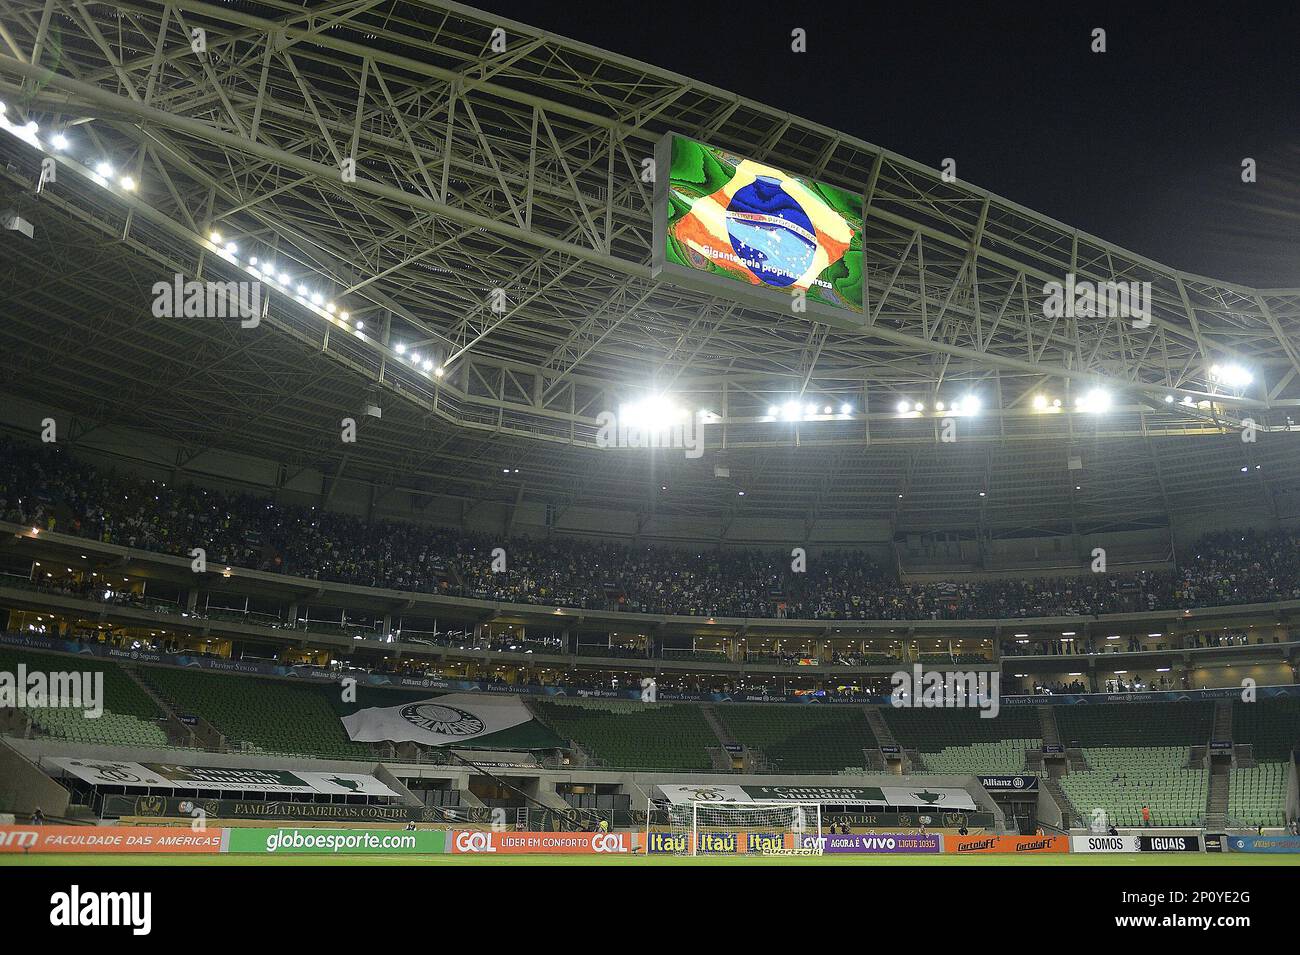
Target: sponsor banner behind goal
[723, 843]
[475, 841]
[1026, 844]
[116, 839]
[670, 843]
[882, 842]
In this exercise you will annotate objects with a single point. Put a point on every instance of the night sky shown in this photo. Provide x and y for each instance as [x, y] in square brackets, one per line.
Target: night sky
[1141, 145]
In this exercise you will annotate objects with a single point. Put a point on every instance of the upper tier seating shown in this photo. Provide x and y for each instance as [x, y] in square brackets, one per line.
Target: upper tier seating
[1136, 724]
[801, 739]
[1272, 727]
[631, 735]
[930, 730]
[263, 715]
[43, 486]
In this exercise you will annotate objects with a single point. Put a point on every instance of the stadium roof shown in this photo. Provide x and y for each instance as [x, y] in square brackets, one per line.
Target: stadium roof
[520, 170]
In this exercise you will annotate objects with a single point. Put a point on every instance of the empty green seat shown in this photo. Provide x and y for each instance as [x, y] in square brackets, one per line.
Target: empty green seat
[260, 715]
[129, 718]
[1123, 779]
[1005, 757]
[1257, 795]
[630, 735]
[1186, 723]
[810, 738]
[1271, 727]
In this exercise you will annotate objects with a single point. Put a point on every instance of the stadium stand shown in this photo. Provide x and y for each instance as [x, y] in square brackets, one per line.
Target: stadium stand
[130, 718]
[1257, 796]
[959, 741]
[929, 730]
[113, 729]
[801, 739]
[1004, 756]
[45, 488]
[1187, 723]
[1123, 756]
[1138, 754]
[1121, 780]
[259, 715]
[629, 735]
[1271, 727]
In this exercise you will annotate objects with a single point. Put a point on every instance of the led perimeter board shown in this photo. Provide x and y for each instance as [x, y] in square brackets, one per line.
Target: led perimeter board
[732, 226]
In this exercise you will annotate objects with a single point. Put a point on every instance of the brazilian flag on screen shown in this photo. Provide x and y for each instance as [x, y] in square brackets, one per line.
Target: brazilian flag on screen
[740, 219]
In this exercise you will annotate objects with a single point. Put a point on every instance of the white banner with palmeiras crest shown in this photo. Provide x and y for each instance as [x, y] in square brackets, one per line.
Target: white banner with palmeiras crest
[438, 720]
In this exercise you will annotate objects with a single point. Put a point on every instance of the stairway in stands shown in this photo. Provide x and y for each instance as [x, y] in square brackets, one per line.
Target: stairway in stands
[885, 737]
[1051, 734]
[201, 734]
[720, 755]
[1069, 814]
[1222, 720]
[1216, 799]
[178, 734]
[1047, 725]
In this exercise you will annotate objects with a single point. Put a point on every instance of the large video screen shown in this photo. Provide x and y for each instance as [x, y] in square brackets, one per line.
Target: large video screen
[722, 218]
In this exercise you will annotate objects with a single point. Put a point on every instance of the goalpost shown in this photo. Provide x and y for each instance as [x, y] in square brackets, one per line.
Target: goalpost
[762, 828]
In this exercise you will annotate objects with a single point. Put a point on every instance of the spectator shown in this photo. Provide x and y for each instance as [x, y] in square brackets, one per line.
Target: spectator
[42, 486]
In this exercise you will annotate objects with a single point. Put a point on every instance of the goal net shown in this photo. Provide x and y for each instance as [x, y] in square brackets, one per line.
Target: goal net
[761, 828]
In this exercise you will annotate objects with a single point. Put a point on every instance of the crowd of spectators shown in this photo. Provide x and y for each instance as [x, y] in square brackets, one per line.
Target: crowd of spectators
[1233, 638]
[44, 487]
[1060, 687]
[1134, 685]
